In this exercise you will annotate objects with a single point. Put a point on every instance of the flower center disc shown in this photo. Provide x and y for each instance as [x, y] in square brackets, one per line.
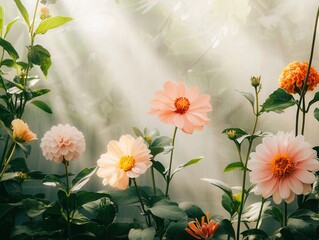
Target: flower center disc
[282, 165]
[126, 163]
[181, 104]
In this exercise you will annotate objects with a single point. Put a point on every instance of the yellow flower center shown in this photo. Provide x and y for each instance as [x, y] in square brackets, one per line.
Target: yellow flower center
[282, 165]
[126, 163]
[181, 104]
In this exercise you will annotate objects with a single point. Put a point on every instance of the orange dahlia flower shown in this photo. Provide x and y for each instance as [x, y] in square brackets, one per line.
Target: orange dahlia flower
[181, 106]
[21, 131]
[294, 75]
[202, 230]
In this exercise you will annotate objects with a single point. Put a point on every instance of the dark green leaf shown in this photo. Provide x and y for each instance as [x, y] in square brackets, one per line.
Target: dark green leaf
[315, 99]
[275, 213]
[118, 230]
[84, 197]
[316, 113]
[223, 186]
[255, 234]
[249, 97]
[38, 55]
[156, 150]
[9, 63]
[33, 207]
[50, 23]
[234, 166]
[42, 105]
[228, 204]
[18, 165]
[9, 25]
[176, 231]
[6, 208]
[142, 234]
[301, 229]
[9, 48]
[82, 178]
[39, 92]
[159, 167]
[302, 214]
[23, 12]
[278, 101]
[79, 219]
[190, 162]
[164, 209]
[162, 141]
[51, 180]
[227, 227]
[193, 211]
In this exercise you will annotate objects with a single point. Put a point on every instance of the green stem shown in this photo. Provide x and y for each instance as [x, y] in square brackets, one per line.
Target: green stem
[147, 216]
[153, 180]
[5, 149]
[66, 164]
[263, 200]
[168, 178]
[6, 162]
[285, 215]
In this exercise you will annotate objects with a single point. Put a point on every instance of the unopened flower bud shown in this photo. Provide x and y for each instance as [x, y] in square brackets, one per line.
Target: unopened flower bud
[231, 134]
[148, 138]
[22, 176]
[255, 81]
[44, 13]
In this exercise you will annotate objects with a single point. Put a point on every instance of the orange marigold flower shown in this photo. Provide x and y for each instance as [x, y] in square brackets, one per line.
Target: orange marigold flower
[21, 131]
[202, 230]
[294, 75]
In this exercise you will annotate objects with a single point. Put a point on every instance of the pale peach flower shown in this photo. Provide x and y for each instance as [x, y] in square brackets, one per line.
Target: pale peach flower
[294, 75]
[124, 159]
[21, 131]
[44, 12]
[181, 106]
[282, 166]
[62, 142]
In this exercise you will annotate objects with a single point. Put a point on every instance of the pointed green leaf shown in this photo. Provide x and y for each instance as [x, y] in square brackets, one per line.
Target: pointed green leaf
[315, 99]
[39, 92]
[316, 113]
[168, 211]
[51, 180]
[254, 234]
[192, 210]
[275, 213]
[137, 132]
[162, 141]
[159, 167]
[9, 26]
[33, 207]
[278, 101]
[42, 105]
[38, 55]
[9, 48]
[223, 186]
[9, 63]
[82, 178]
[249, 97]
[228, 204]
[1, 20]
[50, 23]
[23, 11]
[234, 166]
[228, 227]
[190, 162]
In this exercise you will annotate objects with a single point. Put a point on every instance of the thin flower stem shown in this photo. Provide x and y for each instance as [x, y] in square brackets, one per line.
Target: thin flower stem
[6, 162]
[263, 200]
[147, 216]
[153, 180]
[66, 164]
[168, 178]
[285, 215]
[5, 149]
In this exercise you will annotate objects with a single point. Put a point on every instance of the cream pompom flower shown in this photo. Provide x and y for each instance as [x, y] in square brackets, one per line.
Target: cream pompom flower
[21, 131]
[124, 159]
[282, 166]
[62, 142]
[182, 106]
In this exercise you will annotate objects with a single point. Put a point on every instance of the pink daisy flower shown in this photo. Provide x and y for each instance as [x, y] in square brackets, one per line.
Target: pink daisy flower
[181, 106]
[282, 166]
[124, 159]
[62, 142]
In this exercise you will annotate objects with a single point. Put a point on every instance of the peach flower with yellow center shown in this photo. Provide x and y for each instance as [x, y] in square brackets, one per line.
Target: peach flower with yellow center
[124, 159]
[182, 107]
[293, 76]
[283, 166]
[21, 131]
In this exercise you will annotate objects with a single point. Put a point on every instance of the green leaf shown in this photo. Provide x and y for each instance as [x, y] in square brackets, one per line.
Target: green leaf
[192, 210]
[301, 229]
[39, 92]
[315, 99]
[1, 20]
[223, 186]
[142, 234]
[302, 214]
[42, 105]
[9, 63]
[228, 204]
[23, 12]
[50, 23]
[79, 219]
[162, 141]
[159, 167]
[137, 132]
[239, 132]
[316, 113]
[54, 181]
[228, 227]
[38, 55]
[84, 197]
[278, 101]
[190, 162]
[82, 178]
[165, 210]
[6, 208]
[33, 207]
[9, 26]
[249, 97]
[234, 166]
[254, 234]
[176, 231]
[275, 213]
[9, 48]
[118, 230]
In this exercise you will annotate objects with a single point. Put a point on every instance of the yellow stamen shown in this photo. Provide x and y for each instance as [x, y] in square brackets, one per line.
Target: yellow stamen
[126, 163]
[282, 165]
[181, 104]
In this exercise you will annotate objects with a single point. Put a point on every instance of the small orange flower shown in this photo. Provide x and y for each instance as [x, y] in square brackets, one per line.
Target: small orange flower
[21, 131]
[294, 74]
[204, 230]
